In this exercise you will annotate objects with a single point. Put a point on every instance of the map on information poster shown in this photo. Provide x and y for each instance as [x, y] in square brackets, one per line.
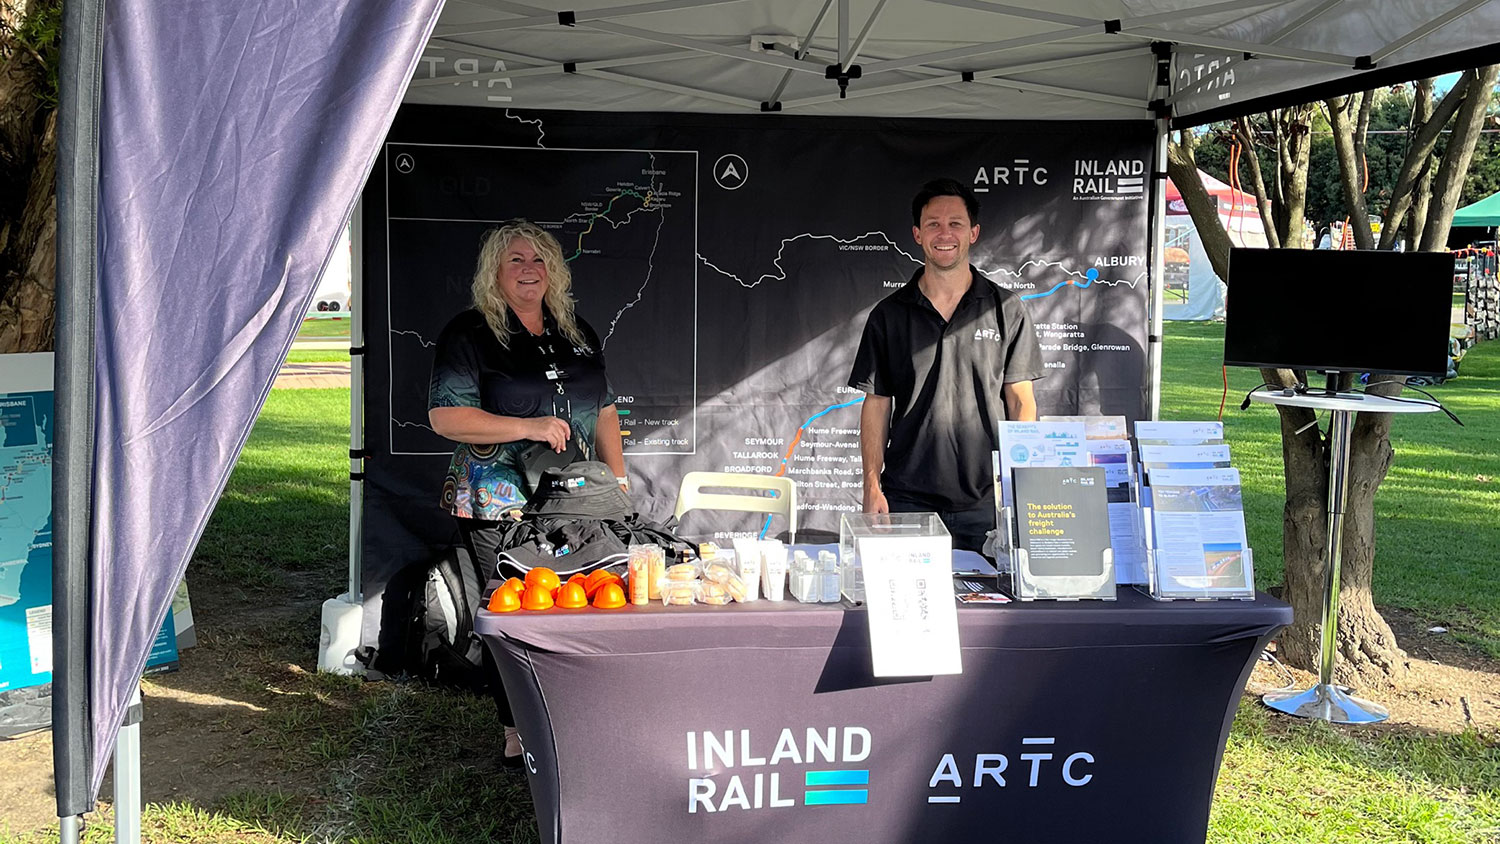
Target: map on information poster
[26, 429]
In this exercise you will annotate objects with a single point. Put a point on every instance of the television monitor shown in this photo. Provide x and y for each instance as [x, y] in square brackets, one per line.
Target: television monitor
[1335, 311]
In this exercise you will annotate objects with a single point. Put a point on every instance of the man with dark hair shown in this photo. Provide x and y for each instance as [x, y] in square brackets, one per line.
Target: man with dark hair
[940, 361]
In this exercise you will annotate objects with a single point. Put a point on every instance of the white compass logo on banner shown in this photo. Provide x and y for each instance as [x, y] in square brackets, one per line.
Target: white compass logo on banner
[731, 172]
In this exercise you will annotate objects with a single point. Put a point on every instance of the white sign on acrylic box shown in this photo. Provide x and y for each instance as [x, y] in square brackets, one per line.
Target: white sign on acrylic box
[909, 598]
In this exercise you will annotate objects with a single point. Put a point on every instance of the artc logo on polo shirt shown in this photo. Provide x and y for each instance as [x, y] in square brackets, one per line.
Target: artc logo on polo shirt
[750, 769]
[987, 334]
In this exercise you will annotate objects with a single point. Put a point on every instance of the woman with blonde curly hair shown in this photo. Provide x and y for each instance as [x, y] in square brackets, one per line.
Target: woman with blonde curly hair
[515, 377]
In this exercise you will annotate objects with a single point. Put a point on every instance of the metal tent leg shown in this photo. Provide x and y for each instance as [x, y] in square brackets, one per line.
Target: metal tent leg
[128, 775]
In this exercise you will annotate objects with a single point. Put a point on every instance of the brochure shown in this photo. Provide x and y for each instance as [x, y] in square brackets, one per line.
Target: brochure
[1097, 427]
[1038, 444]
[1179, 433]
[1200, 533]
[1184, 456]
[1062, 517]
[971, 591]
[1126, 534]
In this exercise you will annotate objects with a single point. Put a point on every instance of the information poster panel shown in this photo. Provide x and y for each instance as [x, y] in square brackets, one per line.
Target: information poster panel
[26, 430]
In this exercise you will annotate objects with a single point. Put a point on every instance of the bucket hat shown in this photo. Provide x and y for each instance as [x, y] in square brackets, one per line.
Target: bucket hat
[586, 489]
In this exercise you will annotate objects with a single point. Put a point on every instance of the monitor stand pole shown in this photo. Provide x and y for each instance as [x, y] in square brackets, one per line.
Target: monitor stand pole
[1325, 701]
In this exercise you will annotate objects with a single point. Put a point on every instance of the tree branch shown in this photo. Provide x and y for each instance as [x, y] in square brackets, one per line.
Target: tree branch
[1449, 182]
[1426, 132]
[1262, 203]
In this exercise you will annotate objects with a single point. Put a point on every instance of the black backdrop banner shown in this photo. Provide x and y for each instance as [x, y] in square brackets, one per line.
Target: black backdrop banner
[728, 264]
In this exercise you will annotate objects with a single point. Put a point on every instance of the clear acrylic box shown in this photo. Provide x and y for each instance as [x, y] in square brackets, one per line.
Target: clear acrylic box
[857, 531]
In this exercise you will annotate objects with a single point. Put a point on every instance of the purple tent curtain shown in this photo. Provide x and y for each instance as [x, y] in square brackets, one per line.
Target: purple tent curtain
[235, 135]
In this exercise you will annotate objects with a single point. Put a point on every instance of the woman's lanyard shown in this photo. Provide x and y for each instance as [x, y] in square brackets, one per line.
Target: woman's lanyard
[562, 403]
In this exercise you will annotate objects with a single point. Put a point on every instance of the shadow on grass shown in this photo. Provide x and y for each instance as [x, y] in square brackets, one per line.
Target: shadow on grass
[1466, 761]
[247, 732]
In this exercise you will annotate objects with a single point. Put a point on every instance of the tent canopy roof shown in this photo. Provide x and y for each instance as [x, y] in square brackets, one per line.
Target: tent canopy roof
[1485, 212]
[1037, 59]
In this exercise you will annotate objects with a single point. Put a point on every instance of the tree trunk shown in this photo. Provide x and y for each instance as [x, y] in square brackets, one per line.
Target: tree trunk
[1294, 144]
[1421, 204]
[28, 196]
[1304, 529]
[1351, 167]
[1449, 183]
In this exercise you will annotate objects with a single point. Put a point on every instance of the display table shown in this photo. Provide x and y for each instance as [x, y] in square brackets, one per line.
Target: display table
[1071, 722]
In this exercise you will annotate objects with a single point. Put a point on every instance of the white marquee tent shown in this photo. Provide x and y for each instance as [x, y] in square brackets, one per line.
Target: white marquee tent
[227, 140]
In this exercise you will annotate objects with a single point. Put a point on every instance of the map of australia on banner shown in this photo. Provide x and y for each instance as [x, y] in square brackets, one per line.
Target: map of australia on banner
[728, 265]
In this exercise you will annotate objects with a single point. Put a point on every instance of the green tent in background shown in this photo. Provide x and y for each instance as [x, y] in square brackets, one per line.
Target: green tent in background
[1485, 212]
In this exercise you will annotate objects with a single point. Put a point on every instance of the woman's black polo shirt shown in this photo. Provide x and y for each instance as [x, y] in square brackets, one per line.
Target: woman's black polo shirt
[944, 379]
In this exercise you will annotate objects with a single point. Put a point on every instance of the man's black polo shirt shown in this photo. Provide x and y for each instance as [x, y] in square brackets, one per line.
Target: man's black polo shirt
[944, 379]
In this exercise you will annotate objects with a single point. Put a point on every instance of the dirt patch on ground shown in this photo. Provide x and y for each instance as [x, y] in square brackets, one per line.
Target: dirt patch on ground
[1447, 687]
[208, 728]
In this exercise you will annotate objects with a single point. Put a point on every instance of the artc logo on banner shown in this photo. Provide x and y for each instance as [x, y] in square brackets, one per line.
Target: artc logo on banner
[1018, 172]
[1036, 752]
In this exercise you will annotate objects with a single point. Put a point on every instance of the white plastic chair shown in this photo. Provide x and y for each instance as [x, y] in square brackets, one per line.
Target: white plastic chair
[739, 492]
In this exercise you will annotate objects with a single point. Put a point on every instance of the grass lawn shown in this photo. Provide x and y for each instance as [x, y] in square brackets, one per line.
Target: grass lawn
[1444, 483]
[341, 760]
[324, 329]
[317, 355]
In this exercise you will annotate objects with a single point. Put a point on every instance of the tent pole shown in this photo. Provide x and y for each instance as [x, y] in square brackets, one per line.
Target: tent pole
[1158, 222]
[343, 617]
[356, 400]
[79, 85]
[1158, 260]
[128, 775]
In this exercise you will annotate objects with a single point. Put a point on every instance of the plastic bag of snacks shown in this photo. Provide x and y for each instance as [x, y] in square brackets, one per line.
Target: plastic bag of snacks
[679, 593]
[723, 575]
[716, 594]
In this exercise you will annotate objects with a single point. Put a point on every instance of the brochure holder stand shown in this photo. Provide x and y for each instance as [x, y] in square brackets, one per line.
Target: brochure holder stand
[1028, 586]
[1168, 589]
[1324, 700]
[1162, 588]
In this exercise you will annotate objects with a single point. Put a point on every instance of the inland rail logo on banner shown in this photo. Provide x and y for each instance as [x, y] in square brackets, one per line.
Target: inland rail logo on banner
[1109, 179]
[810, 768]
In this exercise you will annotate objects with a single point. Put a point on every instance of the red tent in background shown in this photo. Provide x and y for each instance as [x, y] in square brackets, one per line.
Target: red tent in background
[1231, 202]
[1192, 291]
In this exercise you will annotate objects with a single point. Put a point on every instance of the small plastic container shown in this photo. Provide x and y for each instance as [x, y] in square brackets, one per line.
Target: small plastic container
[773, 569]
[639, 569]
[747, 563]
